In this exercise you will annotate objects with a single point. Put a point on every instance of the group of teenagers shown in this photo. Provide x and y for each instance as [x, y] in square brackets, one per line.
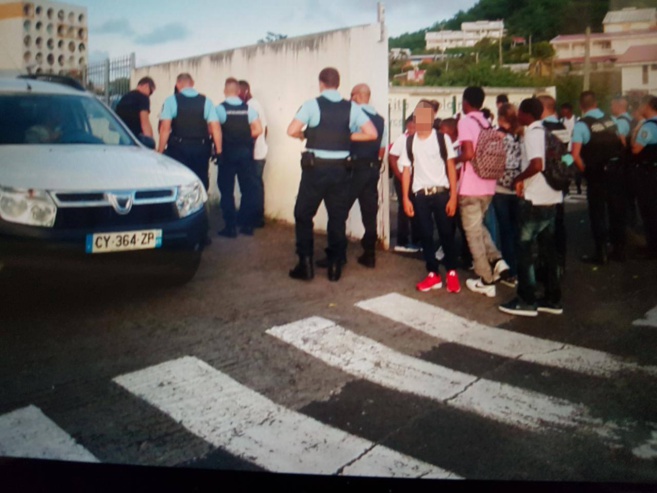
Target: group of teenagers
[438, 182]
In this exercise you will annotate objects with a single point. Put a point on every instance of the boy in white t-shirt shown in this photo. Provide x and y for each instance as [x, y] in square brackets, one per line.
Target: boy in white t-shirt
[537, 220]
[433, 184]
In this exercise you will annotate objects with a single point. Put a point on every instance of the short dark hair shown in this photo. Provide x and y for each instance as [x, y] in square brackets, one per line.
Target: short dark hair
[147, 80]
[409, 120]
[533, 107]
[587, 99]
[474, 96]
[567, 106]
[330, 77]
[244, 85]
[652, 102]
[502, 99]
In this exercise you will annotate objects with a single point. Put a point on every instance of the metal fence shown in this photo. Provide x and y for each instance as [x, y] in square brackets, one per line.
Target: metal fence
[110, 79]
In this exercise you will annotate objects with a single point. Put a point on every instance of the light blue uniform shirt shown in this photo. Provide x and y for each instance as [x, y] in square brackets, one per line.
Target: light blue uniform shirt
[370, 110]
[309, 114]
[622, 124]
[647, 133]
[170, 108]
[235, 101]
[581, 133]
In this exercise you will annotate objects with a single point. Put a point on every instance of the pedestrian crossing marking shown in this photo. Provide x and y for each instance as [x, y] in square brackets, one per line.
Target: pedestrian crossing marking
[28, 433]
[370, 360]
[442, 324]
[648, 450]
[235, 418]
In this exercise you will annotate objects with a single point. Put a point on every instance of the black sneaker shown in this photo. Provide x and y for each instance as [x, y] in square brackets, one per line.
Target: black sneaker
[246, 231]
[520, 308]
[545, 306]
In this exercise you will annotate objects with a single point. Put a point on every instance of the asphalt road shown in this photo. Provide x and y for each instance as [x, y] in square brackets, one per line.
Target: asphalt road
[246, 369]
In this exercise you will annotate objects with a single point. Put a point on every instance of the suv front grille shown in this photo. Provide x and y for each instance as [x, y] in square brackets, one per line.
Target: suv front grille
[94, 209]
[106, 217]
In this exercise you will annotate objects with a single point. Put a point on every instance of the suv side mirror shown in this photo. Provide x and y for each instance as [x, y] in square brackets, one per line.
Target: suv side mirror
[147, 141]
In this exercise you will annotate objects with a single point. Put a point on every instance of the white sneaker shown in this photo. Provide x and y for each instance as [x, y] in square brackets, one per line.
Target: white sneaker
[410, 248]
[478, 286]
[440, 254]
[501, 270]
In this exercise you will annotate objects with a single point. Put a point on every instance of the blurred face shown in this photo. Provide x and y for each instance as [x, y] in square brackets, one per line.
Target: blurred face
[449, 131]
[423, 119]
[566, 113]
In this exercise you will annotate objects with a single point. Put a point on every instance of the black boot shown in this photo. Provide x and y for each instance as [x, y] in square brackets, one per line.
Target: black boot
[304, 270]
[601, 256]
[323, 263]
[368, 259]
[334, 271]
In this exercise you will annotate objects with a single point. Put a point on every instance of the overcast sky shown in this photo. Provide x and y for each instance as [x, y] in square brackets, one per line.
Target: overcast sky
[161, 30]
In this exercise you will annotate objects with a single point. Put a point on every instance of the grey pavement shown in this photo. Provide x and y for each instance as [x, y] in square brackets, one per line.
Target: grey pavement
[64, 341]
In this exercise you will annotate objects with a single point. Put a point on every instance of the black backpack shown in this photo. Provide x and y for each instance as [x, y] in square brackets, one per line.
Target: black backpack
[557, 173]
[441, 143]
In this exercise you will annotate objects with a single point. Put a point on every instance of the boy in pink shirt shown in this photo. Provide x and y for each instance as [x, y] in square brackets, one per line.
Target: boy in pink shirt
[475, 196]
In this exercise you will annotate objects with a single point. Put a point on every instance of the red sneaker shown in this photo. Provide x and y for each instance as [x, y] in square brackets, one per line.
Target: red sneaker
[453, 284]
[432, 281]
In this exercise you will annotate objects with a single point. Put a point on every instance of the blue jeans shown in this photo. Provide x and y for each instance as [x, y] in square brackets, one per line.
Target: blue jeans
[537, 224]
[430, 209]
[506, 211]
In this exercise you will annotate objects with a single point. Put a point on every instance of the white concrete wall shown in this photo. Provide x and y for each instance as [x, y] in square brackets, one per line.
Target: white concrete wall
[633, 79]
[283, 75]
[450, 99]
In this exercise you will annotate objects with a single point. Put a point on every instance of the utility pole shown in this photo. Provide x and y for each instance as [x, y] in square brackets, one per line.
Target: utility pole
[530, 46]
[587, 60]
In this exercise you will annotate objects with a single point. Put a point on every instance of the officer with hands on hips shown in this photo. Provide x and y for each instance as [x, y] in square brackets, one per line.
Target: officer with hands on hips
[326, 173]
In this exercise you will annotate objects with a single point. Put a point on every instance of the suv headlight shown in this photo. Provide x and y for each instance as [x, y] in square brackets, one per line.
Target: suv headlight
[31, 207]
[191, 198]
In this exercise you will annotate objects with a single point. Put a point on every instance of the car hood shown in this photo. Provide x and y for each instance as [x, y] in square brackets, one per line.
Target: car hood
[89, 168]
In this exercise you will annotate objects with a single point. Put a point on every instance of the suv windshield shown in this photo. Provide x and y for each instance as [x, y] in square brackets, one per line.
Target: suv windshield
[58, 119]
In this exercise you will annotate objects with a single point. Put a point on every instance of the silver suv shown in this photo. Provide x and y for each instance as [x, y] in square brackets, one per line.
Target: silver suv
[77, 189]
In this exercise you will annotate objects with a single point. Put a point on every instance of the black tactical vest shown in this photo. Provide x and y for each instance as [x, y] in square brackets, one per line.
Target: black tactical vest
[236, 131]
[333, 132]
[190, 121]
[369, 150]
[604, 147]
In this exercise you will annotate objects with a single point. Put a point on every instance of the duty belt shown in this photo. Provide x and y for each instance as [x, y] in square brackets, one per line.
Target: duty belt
[189, 140]
[426, 192]
[370, 163]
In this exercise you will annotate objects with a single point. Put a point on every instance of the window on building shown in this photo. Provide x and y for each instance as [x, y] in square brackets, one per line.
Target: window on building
[645, 74]
[653, 67]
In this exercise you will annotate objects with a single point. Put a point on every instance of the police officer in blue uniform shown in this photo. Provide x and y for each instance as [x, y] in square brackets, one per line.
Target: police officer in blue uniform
[240, 126]
[645, 162]
[326, 173]
[597, 152]
[366, 161]
[188, 121]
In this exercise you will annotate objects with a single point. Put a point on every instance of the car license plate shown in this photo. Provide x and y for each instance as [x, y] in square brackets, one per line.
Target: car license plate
[124, 242]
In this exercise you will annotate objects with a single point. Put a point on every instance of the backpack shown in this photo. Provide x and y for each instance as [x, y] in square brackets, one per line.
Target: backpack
[489, 162]
[513, 147]
[441, 143]
[556, 172]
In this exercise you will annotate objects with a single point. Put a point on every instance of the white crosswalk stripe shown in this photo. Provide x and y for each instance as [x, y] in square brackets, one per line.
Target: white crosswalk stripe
[367, 359]
[28, 433]
[452, 328]
[231, 416]
[650, 320]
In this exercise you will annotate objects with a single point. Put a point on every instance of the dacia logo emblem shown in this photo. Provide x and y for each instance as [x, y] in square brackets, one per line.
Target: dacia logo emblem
[121, 202]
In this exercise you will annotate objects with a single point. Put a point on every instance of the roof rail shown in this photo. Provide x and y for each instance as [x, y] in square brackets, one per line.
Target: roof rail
[57, 79]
